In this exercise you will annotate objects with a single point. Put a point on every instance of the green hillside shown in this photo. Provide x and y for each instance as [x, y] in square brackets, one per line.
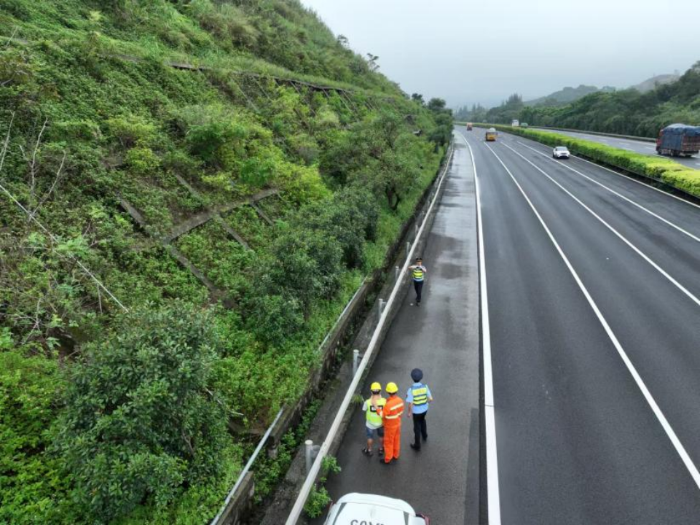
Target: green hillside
[563, 96]
[627, 112]
[191, 192]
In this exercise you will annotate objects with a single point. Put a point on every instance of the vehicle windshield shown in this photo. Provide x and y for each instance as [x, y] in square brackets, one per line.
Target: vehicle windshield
[560, 148]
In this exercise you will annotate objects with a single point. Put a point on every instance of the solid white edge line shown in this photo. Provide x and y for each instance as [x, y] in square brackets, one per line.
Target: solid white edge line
[646, 185]
[618, 234]
[692, 469]
[494, 499]
[666, 221]
[305, 490]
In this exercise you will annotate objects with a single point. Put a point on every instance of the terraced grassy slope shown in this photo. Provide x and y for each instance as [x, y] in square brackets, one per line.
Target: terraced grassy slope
[192, 191]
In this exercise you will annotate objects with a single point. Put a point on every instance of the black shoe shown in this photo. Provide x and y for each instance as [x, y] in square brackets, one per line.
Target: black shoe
[415, 447]
[381, 452]
[367, 452]
[425, 438]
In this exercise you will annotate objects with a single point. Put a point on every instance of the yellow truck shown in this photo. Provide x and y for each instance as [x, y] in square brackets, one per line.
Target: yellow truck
[491, 135]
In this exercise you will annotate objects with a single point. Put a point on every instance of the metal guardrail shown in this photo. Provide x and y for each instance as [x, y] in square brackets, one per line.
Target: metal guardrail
[241, 476]
[611, 135]
[570, 130]
[298, 508]
[253, 457]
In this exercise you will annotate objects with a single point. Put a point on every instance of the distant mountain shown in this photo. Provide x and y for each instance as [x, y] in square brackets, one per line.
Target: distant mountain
[654, 81]
[564, 96]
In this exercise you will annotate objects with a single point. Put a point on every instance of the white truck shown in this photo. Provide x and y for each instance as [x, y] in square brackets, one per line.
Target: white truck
[515, 123]
[369, 509]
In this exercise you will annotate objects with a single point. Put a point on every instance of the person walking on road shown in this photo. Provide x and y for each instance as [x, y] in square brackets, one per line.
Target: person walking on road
[418, 272]
[418, 398]
[373, 408]
[391, 417]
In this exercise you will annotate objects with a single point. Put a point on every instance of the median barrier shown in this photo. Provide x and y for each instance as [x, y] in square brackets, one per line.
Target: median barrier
[670, 175]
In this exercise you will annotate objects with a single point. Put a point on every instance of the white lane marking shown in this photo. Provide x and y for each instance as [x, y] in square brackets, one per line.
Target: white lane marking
[619, 235]
[494, 500]
[666, 221]
[633, 180]
[692, 469]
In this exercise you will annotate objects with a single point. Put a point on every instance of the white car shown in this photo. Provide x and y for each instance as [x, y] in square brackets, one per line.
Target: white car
[368, 509]
[560, 152]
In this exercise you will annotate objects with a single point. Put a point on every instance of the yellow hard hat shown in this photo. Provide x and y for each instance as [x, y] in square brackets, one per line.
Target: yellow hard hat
[391, 388]
[375, 386]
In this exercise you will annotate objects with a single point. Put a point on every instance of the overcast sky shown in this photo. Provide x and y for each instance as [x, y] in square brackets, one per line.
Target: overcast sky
[469, 51]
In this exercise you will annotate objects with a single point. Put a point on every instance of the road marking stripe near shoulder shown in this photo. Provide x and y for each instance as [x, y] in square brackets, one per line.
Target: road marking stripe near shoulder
[494, 501]
[633, 180]
[680, 449]
[647, 210]
[618, 234]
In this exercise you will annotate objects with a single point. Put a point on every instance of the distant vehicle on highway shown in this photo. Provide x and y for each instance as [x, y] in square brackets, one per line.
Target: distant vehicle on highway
[678, 140]
[369, 509]
[524, 125]
[560, 152]
[491, 135]
[469, 126]
[515, 123]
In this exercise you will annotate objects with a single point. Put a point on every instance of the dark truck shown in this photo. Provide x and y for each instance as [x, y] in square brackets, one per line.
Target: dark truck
[678, 140]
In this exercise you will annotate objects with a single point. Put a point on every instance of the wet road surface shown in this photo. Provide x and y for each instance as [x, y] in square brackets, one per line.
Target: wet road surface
[593, 285]
[441, 338]
[638, 146]
[594, 336]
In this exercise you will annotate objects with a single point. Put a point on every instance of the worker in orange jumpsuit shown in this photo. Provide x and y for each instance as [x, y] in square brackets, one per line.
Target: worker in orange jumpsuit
[391, 417]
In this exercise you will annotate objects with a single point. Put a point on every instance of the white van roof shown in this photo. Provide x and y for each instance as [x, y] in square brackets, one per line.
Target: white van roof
[355, 507]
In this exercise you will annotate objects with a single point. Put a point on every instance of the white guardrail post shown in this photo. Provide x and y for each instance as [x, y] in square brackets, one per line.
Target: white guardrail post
[335, 426]
[241, 476]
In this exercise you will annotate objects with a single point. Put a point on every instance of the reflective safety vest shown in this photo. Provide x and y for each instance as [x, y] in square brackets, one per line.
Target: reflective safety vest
[420, 395]
[418, 273]
[374, 416]
[393, 409]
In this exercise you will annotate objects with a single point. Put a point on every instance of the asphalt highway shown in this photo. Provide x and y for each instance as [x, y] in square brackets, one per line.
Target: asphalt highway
[591, 348]
[440, 337]
[638, 146]
[593, 286]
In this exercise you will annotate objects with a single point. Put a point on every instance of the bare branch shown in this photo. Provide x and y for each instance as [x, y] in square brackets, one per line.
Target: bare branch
[6, 144]
[32, 163]
[59, 176]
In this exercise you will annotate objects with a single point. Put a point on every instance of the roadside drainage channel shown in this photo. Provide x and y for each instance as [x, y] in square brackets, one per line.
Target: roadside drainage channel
[240, 507]
[279, 508]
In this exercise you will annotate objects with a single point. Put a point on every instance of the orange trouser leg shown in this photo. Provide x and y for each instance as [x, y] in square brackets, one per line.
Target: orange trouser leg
[389, 443]
[397, 442]
[392, 442]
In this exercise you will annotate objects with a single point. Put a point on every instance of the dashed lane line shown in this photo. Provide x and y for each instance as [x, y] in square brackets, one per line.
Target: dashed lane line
[647, 210]
[613, 230]
[680, 449]
[684, 201]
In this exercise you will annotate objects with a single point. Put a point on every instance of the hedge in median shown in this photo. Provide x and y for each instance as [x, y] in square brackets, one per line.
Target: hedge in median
[666, 170]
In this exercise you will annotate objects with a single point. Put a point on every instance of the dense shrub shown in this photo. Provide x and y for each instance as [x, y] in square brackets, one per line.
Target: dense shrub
[140, 420]
[30, 388]
[149, 150]
[668, 171]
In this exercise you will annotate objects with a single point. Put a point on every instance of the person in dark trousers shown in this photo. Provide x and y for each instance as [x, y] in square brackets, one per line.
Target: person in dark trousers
[418, 272]
[418, 398]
